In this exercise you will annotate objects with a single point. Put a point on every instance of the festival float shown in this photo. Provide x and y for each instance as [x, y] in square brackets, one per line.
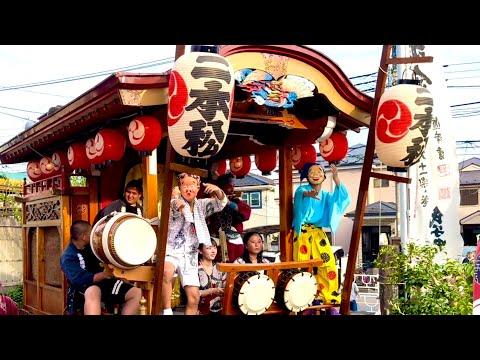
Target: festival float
[215, 105]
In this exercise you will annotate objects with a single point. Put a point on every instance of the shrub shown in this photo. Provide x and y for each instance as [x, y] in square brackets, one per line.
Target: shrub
[428, 286]
[17, 295]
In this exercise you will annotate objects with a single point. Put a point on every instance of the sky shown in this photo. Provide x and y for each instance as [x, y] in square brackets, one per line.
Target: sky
[24, 65]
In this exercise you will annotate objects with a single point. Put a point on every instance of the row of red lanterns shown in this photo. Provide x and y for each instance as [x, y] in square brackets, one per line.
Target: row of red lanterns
[333, 149]
[265, 161]
[144, 133]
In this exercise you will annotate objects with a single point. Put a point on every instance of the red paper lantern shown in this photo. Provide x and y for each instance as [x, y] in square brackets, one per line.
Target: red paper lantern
[218, 168]
[46, 167]
[109, 145]
[266, 161]
[90, 150]
[145, 134]
[240, 166]
[303, 154]
[404, 118]
[77, 156]
[33, 171]
[60, 160]
[200, 100]
[335, 148]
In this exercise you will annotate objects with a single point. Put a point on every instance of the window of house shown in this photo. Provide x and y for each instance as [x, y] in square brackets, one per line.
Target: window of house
[381, 183]
[469, 196]
[253, 199]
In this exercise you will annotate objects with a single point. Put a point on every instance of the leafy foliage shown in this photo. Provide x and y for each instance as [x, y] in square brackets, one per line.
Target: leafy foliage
[429, 282]
[17, 295]
[78, 181]
[9, 188]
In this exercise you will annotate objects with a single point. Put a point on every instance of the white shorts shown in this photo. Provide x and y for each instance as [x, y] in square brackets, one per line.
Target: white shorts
[188, 273]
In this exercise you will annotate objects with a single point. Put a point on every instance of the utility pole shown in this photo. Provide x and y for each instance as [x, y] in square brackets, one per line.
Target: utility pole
[401, 187]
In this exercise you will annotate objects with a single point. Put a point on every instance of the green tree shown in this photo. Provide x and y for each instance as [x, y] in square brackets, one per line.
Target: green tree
[78, 181]
[427, 286]
[8, 189]
[17, 295]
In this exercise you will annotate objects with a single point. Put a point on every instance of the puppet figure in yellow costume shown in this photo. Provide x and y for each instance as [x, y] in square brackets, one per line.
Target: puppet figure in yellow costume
[313, 210]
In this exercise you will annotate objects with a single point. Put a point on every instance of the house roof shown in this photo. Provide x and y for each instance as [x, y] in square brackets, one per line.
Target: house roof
[252, 180]
[466, 163]
[379, 208]
[473, 218]
[354, 157]
[470, 177]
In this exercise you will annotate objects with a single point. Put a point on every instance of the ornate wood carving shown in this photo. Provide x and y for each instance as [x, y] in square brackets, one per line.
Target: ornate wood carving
[41, 211]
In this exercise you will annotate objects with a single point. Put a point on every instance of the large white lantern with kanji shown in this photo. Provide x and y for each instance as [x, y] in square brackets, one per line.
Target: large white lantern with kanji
[200, 99]
[404, 118]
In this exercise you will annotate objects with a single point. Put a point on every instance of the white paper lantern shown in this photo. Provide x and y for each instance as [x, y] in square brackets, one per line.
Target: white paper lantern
[404, 118]
[200, 99]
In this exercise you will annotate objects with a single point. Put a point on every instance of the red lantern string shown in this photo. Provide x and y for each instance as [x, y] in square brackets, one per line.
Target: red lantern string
[240, 166]
[145, 134]
[303, 154]
[77, 157]
[46, 167]
[266, 161]
[335, 148]
[218, 168]
[33, 171]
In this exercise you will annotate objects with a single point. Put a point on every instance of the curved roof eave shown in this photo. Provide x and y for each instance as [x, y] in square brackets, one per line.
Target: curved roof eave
[326, 75]
[120, 92]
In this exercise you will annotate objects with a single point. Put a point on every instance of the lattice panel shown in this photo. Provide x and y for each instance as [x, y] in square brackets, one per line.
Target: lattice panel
[32, 241]
[47, 210]
[53, 272]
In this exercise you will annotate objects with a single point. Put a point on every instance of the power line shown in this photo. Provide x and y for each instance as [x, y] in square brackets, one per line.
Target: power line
[170, 60]
[42, 93]
[91, 75]
[4, 113]
[36, 112]
[459, 71]
[462, 78]
[469, 63]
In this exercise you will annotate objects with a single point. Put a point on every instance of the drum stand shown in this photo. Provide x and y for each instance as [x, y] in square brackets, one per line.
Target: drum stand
[142, 276]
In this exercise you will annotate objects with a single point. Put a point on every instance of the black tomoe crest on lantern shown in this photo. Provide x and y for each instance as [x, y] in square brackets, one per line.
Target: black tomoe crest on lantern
[200, 99]
[404, 118]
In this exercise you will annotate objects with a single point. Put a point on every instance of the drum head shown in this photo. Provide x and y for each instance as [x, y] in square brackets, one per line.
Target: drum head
[300, 291]
[130, 240]
[256, 294]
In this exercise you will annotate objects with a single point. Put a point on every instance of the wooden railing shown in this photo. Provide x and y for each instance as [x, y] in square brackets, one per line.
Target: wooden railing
[56, 182]
[273, 271]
